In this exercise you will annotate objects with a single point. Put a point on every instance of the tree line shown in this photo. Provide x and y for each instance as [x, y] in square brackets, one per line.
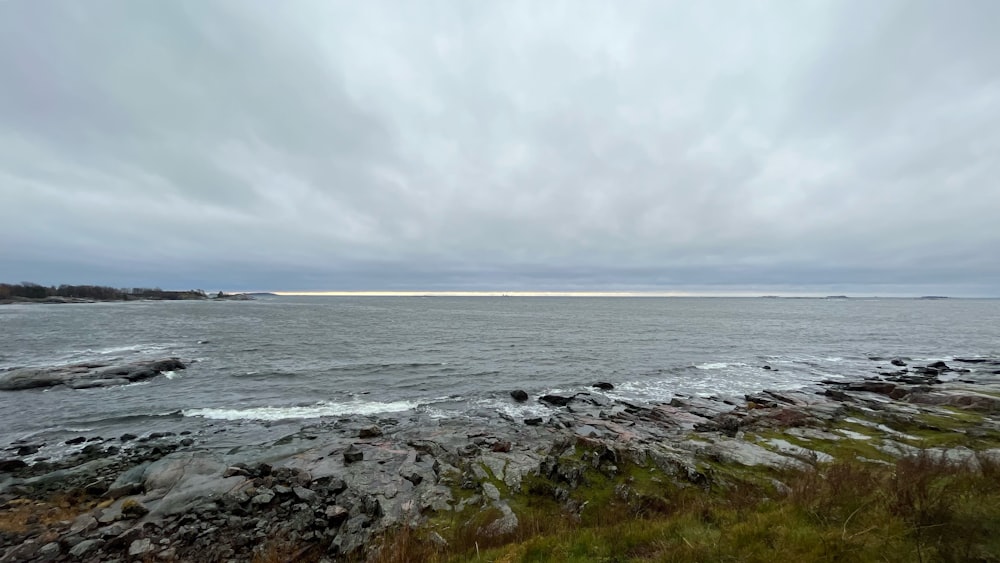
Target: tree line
[29, 290]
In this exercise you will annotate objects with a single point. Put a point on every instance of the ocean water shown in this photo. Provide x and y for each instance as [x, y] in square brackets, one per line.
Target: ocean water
[286, 360]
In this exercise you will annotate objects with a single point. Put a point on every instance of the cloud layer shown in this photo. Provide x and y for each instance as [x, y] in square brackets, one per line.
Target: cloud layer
[506, 145]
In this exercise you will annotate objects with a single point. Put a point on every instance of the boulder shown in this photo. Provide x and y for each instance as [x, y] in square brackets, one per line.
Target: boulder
[519, 395]
[557, 400]
[352, 454]
[372, 431]
[603, 386]
[898, 362]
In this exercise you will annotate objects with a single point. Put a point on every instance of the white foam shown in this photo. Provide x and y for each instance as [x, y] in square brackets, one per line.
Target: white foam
[715, 365]
[515, 410]
[312, 411]
[170, 374]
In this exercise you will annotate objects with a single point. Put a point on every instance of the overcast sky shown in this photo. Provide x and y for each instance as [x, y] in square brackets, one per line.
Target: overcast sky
[710, 146]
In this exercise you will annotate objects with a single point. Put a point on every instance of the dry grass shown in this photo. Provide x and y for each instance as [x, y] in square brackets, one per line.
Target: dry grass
[22, 516]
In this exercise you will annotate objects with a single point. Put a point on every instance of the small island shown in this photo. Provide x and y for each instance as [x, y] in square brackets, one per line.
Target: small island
[28, 292]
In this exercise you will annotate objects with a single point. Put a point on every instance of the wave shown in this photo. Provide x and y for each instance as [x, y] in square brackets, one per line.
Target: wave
[317, 410]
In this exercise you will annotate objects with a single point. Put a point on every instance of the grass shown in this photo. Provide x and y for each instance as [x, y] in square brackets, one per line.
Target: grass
[25, 515]
[921, 508]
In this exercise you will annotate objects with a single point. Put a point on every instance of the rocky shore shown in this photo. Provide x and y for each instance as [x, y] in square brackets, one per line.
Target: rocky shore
[333, 488]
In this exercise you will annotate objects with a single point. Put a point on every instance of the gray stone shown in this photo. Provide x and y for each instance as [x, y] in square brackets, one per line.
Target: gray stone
[84, 547]
[83, 524]
[304, 494]
[353, 455]
[140, 547]
[491, 492]
[370, 432]
[49, 551]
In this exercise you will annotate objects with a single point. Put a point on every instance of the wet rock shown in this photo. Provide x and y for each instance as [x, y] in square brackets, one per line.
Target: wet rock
[533, 421]
[519, 395]
[26, 450]
[370, 432]
[880, 387]
[939, 365]
[75, 441]
[352, 454]
[603, 385]
[898, 362]
[557, 400]
[126, 437]
[10, 465]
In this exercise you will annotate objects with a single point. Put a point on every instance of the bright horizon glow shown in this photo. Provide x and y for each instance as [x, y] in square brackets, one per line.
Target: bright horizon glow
[556, 294]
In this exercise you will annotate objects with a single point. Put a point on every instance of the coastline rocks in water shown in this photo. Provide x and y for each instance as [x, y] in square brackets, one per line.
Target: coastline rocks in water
[372, 431]
[86, 375]
[603, 386]
[557, 400]
[898, 362]
[519, 395]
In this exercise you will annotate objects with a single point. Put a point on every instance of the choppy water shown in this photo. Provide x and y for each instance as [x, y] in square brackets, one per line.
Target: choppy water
[293, 358]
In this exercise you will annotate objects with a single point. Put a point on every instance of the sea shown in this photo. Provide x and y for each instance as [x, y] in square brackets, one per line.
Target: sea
[282, 361]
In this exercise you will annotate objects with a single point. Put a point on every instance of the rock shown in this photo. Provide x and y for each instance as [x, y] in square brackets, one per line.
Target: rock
[436, 539]
[9, 465]
[335, 514]
[75, 441]
[519, 395]
[501, 446]
[49, 551]
[263, 496]
[505, 524]
[132, 508]
[533, 421]
[556, 400]
[370, 432]
[603, 385]
[82, 376]
[187, 442]
[140, 547]
[126, 437]
[84, 547]
[26, 450]
[939, 365]
[352, 454]
[491, 491]
[898, 362]
[83, 524]
[129, 482]
[767, 367]
[234, 471]
[880, 387]
[304, 494]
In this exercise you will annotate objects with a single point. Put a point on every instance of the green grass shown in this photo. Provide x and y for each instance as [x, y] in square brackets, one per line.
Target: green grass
[919, 509]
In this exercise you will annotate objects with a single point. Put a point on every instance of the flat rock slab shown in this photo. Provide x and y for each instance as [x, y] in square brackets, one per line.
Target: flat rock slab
[88, 375]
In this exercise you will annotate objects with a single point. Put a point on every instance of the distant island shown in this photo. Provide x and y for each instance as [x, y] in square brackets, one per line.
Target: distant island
[28, 292]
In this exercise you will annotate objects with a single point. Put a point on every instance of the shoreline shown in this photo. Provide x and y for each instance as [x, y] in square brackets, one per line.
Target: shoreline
[335, 488]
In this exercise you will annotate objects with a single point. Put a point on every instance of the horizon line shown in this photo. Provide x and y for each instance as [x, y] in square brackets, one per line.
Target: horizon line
[651, 293]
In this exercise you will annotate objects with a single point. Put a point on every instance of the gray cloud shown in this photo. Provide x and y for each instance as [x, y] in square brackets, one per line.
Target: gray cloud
[454, 145]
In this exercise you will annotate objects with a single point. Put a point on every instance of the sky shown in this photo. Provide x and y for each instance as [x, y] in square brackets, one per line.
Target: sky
[708, 147]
